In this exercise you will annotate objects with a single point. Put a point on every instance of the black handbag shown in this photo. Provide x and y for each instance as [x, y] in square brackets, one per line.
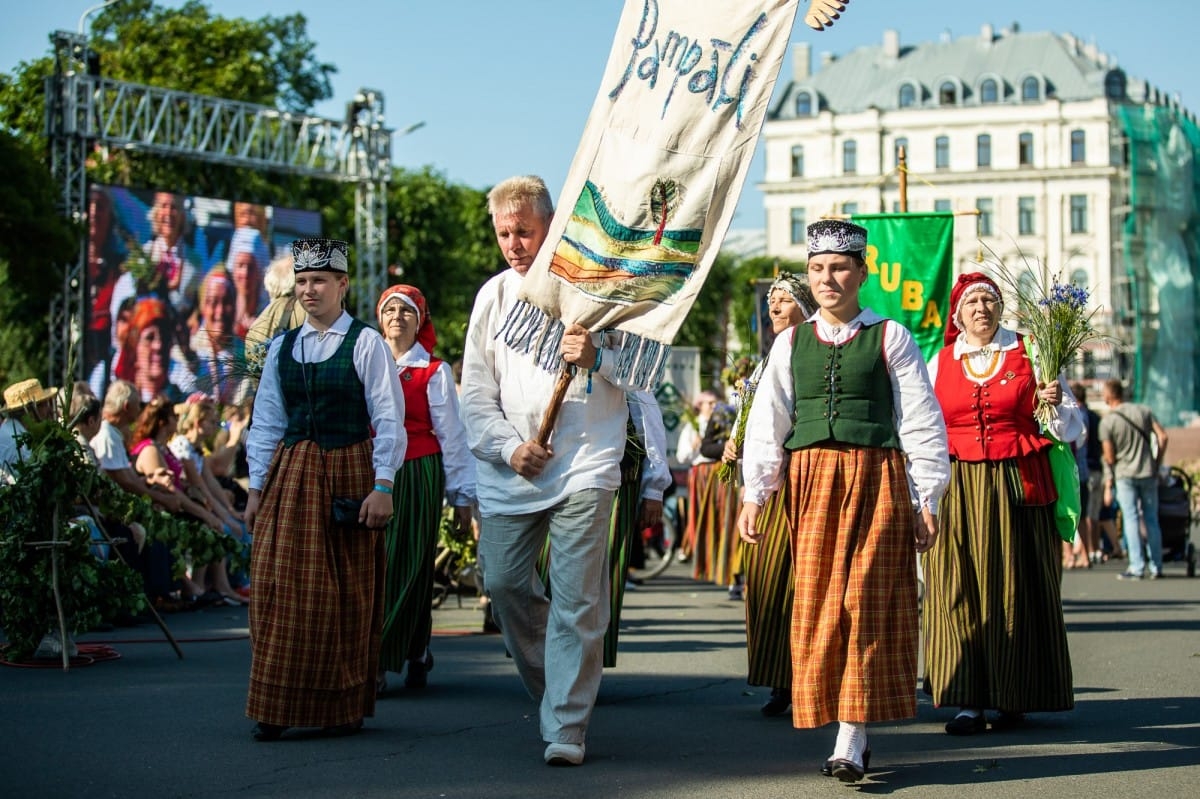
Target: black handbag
[344, 511]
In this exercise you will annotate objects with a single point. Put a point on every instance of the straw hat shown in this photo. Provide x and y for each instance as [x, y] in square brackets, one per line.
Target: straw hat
[27, 392]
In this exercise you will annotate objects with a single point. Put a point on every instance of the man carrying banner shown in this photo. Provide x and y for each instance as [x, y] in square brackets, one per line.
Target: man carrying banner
[527, 490]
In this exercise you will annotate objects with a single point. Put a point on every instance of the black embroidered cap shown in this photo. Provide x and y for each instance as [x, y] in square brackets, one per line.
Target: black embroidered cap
[321, 255]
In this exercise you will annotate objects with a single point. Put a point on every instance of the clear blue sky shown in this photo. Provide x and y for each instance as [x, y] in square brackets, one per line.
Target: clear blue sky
[504, 87]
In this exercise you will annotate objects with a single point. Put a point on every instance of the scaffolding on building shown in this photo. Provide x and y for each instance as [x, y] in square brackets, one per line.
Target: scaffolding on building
[85, 110]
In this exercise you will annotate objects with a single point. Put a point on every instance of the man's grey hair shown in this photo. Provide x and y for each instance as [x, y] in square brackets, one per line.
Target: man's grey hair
[119, 393]
[523, 191]
[280, 278]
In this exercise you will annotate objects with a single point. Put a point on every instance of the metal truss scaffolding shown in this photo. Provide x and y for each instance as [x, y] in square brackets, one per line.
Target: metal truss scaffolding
[84, 111]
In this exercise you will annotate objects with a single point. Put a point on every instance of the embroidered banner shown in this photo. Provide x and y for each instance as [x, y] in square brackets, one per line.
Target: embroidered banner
[910, 258]
[655, 181]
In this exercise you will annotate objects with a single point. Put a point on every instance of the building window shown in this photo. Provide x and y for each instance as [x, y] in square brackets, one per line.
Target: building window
[989, 92]
[849, 157]
[799, 229]
[1025, 149]
[941, 205]
[908, 96]
[1026, 208]
[947, 93]
[1114, 85]
[1031, 90]
[983, 222]
[804, 104]
[798, 161]
[1078, 147]
[983, 150]
[941, 152]
[1079, 278]
[901, 143]
[849, 209]
[1027, 284]
[1079, 213]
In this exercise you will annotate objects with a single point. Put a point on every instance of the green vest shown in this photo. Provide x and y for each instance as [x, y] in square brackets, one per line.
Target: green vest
[843, 393]
[332, 410]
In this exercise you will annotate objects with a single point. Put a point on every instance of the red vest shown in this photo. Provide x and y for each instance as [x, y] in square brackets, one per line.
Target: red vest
[418, 422]
[993, 420]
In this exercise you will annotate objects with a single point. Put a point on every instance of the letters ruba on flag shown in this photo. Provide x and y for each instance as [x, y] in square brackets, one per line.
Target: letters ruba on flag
[910, 262]
[655, 181]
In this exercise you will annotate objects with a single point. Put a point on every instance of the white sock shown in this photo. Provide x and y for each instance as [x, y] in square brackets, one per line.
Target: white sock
[851, 742]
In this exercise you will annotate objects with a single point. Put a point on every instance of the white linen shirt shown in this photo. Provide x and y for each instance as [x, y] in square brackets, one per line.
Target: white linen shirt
[1069, 422]
[381, 386]
[918, 417]
[504, 396]
[457, 461]
[109, 446]
[648, 421]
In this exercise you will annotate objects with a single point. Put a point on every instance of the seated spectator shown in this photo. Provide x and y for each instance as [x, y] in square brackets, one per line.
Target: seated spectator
[121, 406]
[208, 582]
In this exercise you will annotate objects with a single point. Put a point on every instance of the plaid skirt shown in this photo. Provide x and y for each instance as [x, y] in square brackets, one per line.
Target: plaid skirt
[854, 619]
[317, 608]
[712, 526]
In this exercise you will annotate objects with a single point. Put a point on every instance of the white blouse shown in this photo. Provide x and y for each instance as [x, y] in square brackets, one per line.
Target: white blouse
[918, 417]
[381, 388]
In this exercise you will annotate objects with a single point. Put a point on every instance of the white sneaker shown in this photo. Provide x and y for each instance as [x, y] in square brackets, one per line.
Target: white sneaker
[564, 754]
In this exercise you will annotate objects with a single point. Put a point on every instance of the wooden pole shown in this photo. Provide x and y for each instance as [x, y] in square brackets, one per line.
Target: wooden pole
[902, 165]
[556, 400]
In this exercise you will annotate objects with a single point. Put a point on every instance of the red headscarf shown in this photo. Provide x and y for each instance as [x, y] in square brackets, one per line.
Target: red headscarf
[426, 336]
[971, 281]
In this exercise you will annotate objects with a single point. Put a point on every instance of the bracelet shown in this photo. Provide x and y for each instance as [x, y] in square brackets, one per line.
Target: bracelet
[599, 358]
[382, 489]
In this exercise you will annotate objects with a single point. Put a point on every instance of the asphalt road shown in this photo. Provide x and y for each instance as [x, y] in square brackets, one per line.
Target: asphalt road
[675, 718]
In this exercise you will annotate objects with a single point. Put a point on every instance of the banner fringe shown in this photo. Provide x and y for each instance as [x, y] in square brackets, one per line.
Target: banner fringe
[529, 330]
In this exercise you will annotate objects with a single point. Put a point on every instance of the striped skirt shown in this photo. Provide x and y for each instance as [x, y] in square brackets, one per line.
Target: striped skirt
[994, 630]
[769, 594]
[712, 526]
[317, 610]
[410, 542]
[854, 619]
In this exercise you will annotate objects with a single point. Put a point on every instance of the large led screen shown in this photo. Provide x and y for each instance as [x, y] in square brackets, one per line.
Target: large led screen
[173, 284]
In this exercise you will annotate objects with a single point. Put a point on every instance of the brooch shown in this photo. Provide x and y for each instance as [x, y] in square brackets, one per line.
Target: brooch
[406, 376]
[1010, 375]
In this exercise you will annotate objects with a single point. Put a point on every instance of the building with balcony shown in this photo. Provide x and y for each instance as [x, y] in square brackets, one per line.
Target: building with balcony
[1067, 165]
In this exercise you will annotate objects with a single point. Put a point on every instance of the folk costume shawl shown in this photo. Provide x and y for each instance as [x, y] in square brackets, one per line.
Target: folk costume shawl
[655, 181]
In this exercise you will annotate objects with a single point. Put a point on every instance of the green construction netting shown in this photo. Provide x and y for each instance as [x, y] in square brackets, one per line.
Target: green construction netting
[1161, 252]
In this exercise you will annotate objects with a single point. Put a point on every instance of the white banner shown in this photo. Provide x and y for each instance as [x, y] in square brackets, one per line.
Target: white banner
[654, 184]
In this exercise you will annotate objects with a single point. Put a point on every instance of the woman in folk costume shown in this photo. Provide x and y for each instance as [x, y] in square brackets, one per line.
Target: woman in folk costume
[712, 503]
[846, 393]
[768, 566]
[994, 630]
[318, 565]
[437, 465]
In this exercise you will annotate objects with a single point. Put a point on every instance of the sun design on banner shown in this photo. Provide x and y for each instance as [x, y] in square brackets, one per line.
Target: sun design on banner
[603, 257]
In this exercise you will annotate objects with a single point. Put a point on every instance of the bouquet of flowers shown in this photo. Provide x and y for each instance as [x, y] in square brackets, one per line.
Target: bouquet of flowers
[740, 377]
[1056, 316]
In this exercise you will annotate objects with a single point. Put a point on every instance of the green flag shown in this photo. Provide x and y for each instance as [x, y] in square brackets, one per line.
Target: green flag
[910, 264]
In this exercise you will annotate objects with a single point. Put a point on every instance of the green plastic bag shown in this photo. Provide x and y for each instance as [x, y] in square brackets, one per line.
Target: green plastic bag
[1065, 471]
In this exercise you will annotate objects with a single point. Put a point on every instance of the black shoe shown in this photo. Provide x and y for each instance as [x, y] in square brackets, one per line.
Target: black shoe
[1008, 721]
[415, 678]
[777, 705]
[966, 725]
[267, 732]
[846, 770]
[827, 768]
[489, 621]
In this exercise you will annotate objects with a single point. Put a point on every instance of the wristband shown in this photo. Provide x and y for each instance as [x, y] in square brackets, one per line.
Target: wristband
[595, 368]
[382, 489]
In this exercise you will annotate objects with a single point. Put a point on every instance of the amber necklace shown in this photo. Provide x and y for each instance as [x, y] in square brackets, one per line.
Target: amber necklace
[987, 371]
